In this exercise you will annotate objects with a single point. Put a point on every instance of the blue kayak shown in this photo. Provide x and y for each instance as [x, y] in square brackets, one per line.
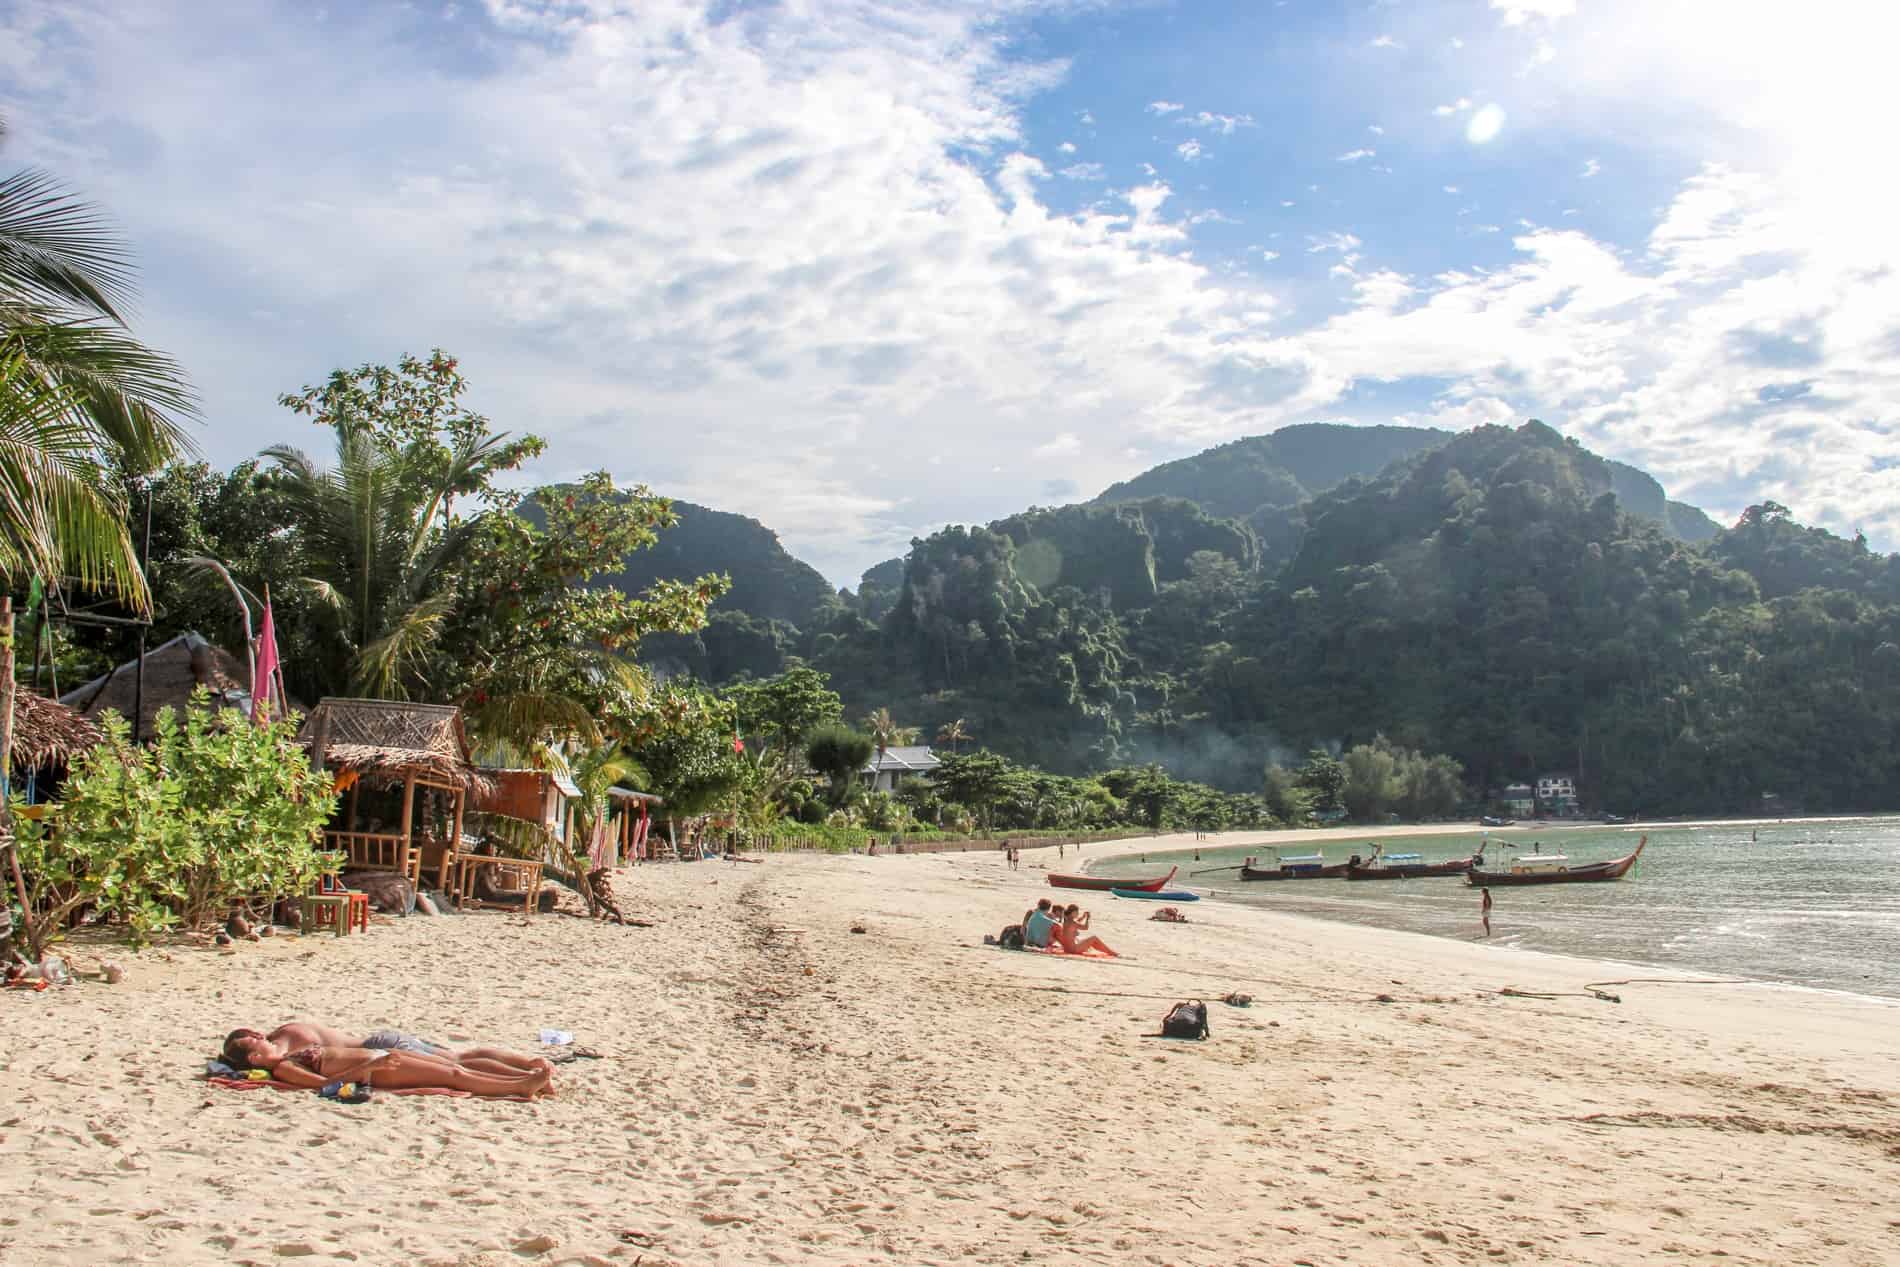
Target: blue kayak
[1166, 895]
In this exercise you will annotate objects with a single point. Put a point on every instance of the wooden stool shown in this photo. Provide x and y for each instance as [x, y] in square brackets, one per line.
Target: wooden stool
[340, 911]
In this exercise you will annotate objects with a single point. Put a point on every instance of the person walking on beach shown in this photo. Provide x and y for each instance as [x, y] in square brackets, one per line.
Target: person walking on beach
[1485, 911]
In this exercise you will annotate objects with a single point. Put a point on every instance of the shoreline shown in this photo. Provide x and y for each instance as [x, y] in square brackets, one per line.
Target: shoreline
[776, 1086]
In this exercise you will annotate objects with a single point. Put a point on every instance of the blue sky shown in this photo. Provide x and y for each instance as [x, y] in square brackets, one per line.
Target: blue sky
[860, 268]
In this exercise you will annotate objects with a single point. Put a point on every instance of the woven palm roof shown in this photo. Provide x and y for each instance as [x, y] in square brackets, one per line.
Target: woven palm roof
[173, 670]
[46, 733]
[386, 741]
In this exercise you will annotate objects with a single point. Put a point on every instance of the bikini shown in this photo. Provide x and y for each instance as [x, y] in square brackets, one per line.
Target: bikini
[311, 1057]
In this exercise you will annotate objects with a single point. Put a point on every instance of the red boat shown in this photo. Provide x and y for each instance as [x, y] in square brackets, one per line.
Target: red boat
[1555, 869]
[1103, 883]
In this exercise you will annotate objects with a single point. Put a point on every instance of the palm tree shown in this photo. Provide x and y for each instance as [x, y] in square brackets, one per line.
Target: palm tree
[886, 734]
[382, 543]
[81, 400]
[953, 733]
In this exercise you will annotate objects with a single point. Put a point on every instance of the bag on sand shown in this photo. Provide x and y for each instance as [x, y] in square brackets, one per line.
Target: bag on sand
[1185, 1020]
[1012, 938]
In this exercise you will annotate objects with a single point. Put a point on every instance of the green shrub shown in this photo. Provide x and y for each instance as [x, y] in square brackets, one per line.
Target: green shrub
[217, 811]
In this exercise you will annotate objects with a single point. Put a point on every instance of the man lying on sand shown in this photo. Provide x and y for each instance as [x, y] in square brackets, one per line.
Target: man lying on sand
[248, 1047]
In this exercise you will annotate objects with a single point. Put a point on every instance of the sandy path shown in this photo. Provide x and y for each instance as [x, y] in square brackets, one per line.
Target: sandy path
[781, 1090]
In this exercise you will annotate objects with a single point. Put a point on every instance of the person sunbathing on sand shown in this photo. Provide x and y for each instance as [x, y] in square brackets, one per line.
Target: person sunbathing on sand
[241, 1048]
[1069, 934]
[316, 1065]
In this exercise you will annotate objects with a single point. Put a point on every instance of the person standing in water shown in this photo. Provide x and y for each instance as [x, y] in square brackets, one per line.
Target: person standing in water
[1485, 911]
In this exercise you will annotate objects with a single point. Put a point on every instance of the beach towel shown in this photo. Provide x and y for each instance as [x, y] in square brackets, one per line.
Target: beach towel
[253, 1084]
[1059, 951]
[220, 1074]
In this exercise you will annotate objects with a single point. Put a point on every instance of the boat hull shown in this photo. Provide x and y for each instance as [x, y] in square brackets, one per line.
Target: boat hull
[1410, 871]
[1588, 873]
[1158, 895]
[1332, 872]
[1108, 883]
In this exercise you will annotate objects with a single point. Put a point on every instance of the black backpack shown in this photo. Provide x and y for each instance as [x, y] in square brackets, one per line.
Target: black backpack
[1185, 1020]
[1012, 938]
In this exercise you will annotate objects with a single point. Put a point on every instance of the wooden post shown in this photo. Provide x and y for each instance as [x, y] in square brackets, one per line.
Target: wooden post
[349, 820]
[408, 817]
[455, 837]
[6, 762]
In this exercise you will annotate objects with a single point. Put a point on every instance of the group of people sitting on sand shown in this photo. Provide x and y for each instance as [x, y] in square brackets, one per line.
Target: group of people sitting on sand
[313, 1056]
[1061, 927]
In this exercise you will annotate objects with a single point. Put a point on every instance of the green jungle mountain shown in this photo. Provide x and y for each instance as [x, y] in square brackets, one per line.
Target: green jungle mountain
[1502, 595]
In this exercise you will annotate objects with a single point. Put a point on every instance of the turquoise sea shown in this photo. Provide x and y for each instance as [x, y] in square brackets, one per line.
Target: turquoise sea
[1813, 902]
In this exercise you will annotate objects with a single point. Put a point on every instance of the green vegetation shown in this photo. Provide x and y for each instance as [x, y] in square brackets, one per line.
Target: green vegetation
[216, 813]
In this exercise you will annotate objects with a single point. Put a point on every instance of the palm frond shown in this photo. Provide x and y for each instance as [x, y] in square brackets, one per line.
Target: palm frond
[382, 665]
[56, 247]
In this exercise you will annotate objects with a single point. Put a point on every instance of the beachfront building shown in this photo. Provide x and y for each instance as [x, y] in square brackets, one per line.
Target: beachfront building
[1557, 794]
[406, 780]
[1519, 798]
[884, 769]
[47, 735]
[172, 671]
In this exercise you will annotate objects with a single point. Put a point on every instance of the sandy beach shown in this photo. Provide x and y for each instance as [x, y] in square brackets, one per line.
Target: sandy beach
[774, 1088]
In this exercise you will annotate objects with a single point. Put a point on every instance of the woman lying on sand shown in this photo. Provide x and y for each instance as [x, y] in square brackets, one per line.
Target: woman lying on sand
[315, 1066]
[241, 1048]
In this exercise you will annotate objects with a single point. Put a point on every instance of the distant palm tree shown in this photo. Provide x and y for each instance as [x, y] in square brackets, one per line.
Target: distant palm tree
[81, 401]
[886, 734]
[953, 733]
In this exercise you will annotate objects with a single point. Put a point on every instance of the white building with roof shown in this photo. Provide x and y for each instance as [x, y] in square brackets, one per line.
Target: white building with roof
[883, 770]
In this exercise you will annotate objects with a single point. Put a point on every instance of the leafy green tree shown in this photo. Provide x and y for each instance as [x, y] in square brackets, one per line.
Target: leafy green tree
[381, 535]
[1287, 798]
[1324, 778]
[217, 812]
[954, 732]
[981, 780]
[782, 710]
[839, 753]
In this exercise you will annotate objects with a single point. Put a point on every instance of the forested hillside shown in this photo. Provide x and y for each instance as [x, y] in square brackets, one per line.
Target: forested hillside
[1490, 595]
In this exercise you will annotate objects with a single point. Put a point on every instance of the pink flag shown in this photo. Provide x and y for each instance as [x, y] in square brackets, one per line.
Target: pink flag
[266, 668]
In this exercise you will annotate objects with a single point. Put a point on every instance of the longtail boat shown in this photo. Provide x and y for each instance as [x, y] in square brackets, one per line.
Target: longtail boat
[1308, 867]
[1158, 895]
[1554, 868]
[1400, 867]
[1105, 883]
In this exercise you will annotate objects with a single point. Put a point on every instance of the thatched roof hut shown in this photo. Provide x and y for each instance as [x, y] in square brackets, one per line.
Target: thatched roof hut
[388, 741]
[173, 670]
[46, 734]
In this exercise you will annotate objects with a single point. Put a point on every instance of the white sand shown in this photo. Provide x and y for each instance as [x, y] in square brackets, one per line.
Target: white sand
[779, 1090]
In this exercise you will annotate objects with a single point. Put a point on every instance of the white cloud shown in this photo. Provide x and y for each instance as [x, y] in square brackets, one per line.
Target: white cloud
[1163, 107]
[1485, 124]
[868, 254]
[1221, 123]
[1451, 189]
[1457, 107]
[1086, 118]
[1519, 12]
[1353, 156]
[1189, 150]
[1082, 171]
[1065, 445]
[1590, 168]
[1375, 129]
[1211, 215]
[1067, 147]
[1386, 41]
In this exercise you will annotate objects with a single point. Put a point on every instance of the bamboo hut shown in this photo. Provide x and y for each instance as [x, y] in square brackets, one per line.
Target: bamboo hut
[173, 670]
[415, 758]
[47, 735]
